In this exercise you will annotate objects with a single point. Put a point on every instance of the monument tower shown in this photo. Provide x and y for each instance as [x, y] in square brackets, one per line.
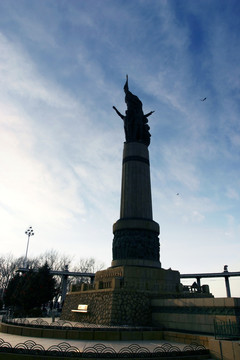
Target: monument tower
[136, 239]
[121, 294]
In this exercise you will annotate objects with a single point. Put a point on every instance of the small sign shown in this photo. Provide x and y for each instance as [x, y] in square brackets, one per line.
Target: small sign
[82, 308]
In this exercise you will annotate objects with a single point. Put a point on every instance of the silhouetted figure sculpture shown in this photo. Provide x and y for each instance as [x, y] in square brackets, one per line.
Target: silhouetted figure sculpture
[135, 122]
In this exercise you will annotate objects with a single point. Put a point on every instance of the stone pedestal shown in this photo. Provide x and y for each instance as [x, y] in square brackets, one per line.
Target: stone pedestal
[122, 295]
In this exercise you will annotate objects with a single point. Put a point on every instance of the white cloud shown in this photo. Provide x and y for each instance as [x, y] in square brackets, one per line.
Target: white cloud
[19, 77]
[195, 217]
[180, 166]
[232, 193]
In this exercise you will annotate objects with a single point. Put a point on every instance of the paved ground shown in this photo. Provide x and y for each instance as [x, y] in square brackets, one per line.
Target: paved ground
[82, 344]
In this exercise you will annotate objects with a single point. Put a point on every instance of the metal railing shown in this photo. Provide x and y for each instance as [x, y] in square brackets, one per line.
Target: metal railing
[226, 330]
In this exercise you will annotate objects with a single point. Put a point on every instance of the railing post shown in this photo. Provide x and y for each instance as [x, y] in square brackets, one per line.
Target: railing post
[227, 286]
[64, 287]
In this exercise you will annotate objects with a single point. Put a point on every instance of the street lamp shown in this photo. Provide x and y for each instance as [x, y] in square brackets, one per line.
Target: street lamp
[29, 232]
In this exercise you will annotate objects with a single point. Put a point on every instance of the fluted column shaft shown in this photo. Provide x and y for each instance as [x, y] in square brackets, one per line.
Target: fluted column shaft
[136, 200]
[135, 233]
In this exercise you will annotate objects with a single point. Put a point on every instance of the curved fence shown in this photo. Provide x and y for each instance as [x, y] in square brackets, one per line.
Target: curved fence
[99, 350]
[64, 349]
[67, 325]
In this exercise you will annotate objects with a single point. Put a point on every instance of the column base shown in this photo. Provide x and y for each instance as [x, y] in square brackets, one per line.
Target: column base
[136, 243]
[136, 262]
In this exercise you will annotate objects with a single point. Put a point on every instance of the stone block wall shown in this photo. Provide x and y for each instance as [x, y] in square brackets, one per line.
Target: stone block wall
[99, 307]
[131, 308]
[139, 278]
[121, 295]
[195, 315]
[108, 307]
[224, 349]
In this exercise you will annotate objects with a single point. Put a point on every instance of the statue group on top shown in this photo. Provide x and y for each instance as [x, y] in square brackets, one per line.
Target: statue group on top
[135, 121]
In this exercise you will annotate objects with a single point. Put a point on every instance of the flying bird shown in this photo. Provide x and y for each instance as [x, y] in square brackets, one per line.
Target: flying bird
[204, 99]
[177, 193]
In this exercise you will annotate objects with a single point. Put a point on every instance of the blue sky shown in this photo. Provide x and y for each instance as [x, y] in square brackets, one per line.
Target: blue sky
[62, 68]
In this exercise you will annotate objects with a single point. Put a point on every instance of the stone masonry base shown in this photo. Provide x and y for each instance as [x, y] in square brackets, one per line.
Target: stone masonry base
[121, 296]
[108, 307]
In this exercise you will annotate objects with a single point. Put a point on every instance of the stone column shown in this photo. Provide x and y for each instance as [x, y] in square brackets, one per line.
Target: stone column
[136, 239]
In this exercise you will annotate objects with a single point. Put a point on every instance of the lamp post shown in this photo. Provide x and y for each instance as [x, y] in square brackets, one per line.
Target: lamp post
[29, 232]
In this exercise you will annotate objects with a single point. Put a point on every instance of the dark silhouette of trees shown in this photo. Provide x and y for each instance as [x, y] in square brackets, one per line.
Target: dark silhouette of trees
[12, 291]
[30, 290]
[17, 290]
[9, 265]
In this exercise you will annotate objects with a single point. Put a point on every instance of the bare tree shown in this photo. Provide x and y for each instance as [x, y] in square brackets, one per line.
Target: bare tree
[88, 265]
[8, 267]
[56, 261]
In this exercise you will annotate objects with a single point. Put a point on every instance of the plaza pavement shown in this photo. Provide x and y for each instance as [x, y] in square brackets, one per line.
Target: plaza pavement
[82, 344]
